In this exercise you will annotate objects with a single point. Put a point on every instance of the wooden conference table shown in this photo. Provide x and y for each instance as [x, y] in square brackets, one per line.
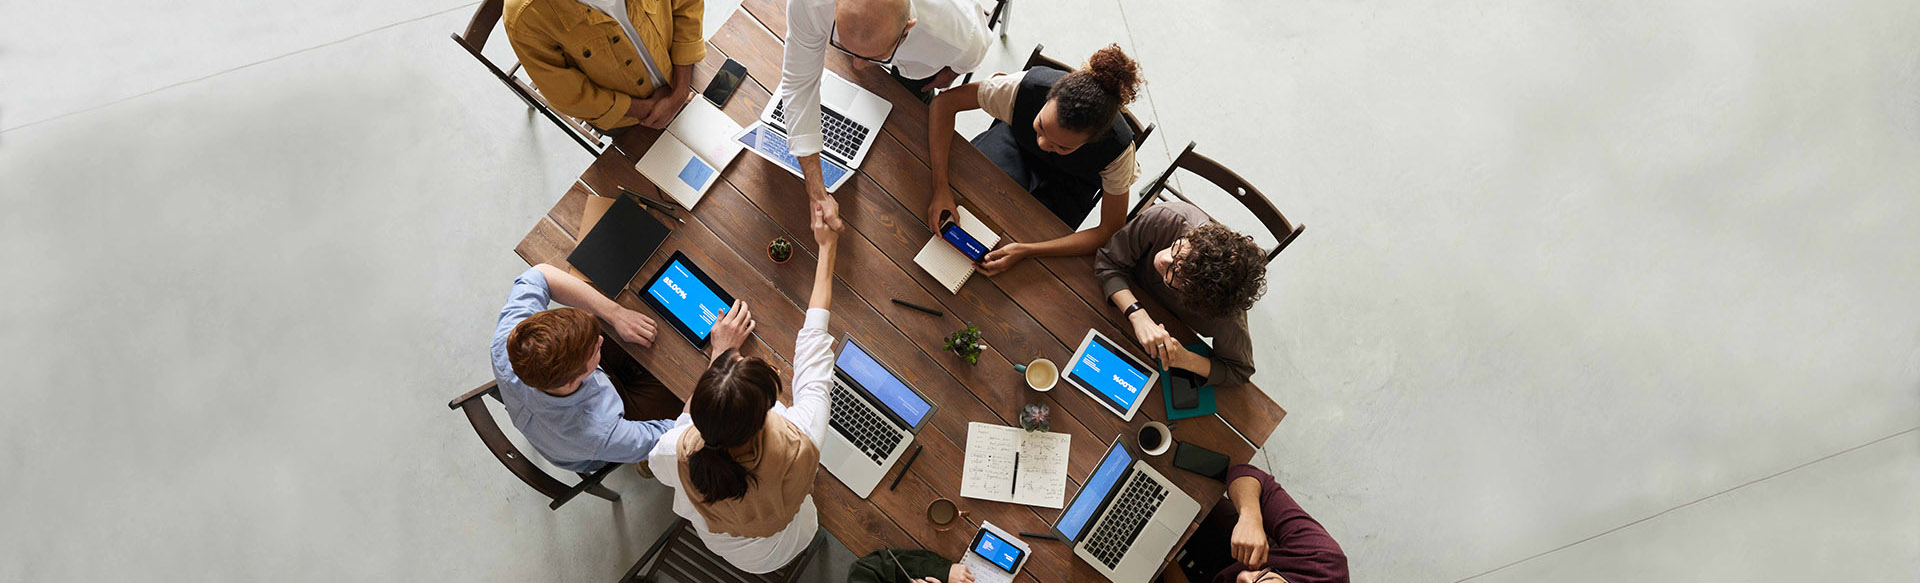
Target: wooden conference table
[1040, 308]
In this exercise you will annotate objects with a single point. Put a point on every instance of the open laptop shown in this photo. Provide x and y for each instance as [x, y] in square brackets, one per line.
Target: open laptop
[1127, 518]
[850, 119]
[873, 418]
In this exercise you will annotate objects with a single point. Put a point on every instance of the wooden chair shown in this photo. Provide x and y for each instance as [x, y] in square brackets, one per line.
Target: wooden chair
[1139, 133]
[1283, 230]
[474, 39]
[682, 557]
[516, 462]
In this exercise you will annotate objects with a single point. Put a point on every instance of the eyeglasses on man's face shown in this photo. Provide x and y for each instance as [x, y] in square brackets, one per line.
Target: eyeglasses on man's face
[833, 38]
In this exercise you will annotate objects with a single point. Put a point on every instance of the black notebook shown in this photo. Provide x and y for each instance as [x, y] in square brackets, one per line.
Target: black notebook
[618, 245]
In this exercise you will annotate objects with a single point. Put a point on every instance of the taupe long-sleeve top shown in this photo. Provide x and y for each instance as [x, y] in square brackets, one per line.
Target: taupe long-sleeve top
[1126, 262]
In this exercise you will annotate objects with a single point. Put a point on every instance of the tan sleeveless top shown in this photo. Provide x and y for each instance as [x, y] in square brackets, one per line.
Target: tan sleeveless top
[782, 461]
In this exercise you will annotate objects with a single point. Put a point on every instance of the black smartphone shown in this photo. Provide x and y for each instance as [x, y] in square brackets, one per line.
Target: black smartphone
[1200, 460]
[967, 245]
[1184, 388]
[721, 88]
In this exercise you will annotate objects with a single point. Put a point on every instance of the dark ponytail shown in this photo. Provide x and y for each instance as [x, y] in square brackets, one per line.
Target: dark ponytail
[1089, 99]
[730, 405]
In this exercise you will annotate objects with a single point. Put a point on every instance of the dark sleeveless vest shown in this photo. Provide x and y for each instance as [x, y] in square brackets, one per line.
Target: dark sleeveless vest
[1086, 162]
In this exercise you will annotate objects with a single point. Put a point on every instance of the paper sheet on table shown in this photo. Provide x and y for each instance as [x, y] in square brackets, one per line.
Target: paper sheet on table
[990, 472]
[716, 15]
[948, 264]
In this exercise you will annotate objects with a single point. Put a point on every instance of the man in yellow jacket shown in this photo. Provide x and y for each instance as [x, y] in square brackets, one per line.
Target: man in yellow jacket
[590, 58]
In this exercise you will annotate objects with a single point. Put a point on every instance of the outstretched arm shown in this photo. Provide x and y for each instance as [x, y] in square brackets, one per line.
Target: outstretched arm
[940, 138]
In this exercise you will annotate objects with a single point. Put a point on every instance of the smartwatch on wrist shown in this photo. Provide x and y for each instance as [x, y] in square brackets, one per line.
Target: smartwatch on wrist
[1131, 309]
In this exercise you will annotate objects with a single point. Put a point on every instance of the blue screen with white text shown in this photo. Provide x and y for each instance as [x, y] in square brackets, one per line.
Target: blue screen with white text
[883, 385]
[1109, 374]
[998, 550]
[688, 299]
[1076, 516]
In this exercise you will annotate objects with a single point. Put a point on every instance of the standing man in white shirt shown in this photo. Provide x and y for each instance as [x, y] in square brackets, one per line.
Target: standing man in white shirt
[934, 40]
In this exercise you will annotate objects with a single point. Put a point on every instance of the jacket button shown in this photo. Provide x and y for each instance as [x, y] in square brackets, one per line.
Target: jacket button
[629, 61]
[615, 39]
[587, 53]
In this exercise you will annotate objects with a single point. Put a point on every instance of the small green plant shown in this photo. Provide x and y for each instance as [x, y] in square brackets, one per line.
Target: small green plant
[966, 343]
[1034, 417]
[780, 249]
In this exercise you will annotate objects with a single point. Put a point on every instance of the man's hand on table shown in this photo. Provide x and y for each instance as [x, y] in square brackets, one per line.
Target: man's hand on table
[731, 331]
[632, 326]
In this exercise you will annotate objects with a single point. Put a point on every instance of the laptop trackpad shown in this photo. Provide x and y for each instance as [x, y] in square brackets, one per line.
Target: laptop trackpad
[838, 93]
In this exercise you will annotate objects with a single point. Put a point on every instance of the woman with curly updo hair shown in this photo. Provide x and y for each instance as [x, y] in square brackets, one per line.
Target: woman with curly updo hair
[1203, 272]
[1057, 133]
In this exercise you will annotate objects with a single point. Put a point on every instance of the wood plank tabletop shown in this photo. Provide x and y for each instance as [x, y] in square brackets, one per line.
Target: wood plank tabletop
[1036, 309]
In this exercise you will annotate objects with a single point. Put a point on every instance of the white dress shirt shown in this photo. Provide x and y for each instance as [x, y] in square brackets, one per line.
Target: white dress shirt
[950, 34]
[812, 375]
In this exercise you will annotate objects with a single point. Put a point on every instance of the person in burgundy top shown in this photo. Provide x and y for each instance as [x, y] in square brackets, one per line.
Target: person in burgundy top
[1260, 535]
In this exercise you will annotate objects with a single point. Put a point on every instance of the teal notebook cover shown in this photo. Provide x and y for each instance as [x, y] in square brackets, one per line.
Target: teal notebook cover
[1207, 405]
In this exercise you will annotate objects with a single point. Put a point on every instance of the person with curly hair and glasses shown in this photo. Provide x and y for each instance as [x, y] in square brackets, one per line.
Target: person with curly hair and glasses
[1203, 272]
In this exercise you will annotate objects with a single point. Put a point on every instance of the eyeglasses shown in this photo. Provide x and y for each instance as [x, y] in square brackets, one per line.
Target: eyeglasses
[833, 38]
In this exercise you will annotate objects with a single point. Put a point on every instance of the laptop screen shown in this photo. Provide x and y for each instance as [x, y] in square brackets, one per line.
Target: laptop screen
[1075, 517]
[863, 369]
[1116, 378]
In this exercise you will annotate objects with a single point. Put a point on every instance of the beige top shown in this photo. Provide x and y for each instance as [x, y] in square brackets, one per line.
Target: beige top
[996, 95]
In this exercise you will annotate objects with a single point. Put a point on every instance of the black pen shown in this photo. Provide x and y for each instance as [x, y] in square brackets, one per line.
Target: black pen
[919, 307]
[1016, 475]
[1038, 535]
[656, 205]
[906, 466]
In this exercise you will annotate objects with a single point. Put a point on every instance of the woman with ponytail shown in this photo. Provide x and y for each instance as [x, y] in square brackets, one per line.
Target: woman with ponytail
[740, 463]
[1060, 135]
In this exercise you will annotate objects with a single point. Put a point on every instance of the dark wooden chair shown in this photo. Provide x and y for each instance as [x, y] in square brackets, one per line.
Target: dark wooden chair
[516, 462]
[1139, 133]
[1283, 230]
[474, 39]
[680, 555]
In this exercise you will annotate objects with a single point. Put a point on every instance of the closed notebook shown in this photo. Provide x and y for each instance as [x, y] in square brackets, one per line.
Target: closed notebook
[620, 242]
[687, 159]
[948, 264]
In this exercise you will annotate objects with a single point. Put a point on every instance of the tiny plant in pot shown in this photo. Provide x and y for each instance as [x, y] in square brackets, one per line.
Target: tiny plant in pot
[966, 343]
[780, 249]
[1035, 417]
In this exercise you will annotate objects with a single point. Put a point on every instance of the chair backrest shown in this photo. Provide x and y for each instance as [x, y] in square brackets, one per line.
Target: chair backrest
[679, 554]
[1139, 133]
[1283, 230]
[474, 40]
[496, 441]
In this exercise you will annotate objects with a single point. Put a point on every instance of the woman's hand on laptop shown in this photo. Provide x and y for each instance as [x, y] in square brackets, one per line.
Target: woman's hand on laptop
[732, 330]
[632, 326]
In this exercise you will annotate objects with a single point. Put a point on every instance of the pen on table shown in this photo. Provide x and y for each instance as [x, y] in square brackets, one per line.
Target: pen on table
[906, 466]
[919, 307]
[664, 209]
[1038, 535]
[1016, 475]
[623, 153]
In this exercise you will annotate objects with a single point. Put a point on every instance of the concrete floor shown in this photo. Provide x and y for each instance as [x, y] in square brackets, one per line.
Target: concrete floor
[1590, 292]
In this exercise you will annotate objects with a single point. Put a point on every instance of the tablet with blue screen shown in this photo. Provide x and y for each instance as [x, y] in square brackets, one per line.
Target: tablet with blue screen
[1115, 379]
[686, 298]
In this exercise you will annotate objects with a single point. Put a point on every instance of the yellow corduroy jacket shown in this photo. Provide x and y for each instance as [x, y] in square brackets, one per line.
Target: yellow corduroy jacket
[579, 60]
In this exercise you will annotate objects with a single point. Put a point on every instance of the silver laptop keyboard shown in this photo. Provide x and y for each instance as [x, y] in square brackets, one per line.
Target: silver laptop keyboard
[1125, 518]
[840, 133]
[875, 435]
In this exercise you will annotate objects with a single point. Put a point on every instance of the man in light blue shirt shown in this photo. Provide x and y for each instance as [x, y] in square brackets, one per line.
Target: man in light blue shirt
[548, 364]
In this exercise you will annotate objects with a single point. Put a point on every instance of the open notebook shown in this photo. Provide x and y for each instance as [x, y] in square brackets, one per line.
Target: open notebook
[1010, 464]
[948, 264]
[688, 157]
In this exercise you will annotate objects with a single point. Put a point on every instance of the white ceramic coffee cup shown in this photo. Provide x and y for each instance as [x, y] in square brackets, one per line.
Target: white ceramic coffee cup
[1052, 373]
[1154, 427]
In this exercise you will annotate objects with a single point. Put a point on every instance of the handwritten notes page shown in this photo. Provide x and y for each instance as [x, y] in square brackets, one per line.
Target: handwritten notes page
[1038, 479]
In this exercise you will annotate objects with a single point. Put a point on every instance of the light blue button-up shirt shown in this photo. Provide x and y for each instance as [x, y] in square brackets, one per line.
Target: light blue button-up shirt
[579, 432]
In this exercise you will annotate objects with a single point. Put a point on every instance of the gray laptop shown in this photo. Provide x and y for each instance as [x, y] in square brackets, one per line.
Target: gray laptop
[874, 417]
[1127, 518]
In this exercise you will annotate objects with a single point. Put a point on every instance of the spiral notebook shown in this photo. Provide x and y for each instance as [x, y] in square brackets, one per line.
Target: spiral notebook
[948, 264]
[687, 159]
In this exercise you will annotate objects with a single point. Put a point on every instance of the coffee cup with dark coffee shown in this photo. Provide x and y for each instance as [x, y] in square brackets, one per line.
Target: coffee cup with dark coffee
[943, 513]
[1155, 438]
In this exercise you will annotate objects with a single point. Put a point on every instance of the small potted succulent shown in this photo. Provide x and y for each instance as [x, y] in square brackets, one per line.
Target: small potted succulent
[780, 249]
[1034, 418]
[966, 343]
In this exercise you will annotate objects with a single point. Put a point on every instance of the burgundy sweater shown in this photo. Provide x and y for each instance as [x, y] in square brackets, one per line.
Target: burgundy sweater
[1298, 548]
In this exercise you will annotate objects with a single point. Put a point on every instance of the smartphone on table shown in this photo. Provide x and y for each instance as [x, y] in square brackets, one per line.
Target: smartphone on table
[725, 82]
[1200, 460]
[967, 245]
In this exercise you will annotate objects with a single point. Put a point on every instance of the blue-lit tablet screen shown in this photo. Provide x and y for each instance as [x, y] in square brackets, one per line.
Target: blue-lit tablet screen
[688, 299]
[889, 390]
[1110, 375]
[1076, 515]
[997, 550]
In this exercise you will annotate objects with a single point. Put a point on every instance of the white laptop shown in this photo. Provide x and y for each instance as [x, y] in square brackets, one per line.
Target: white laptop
[1127, 519]
[873, 418]
[1115, 379]
[850, 119]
